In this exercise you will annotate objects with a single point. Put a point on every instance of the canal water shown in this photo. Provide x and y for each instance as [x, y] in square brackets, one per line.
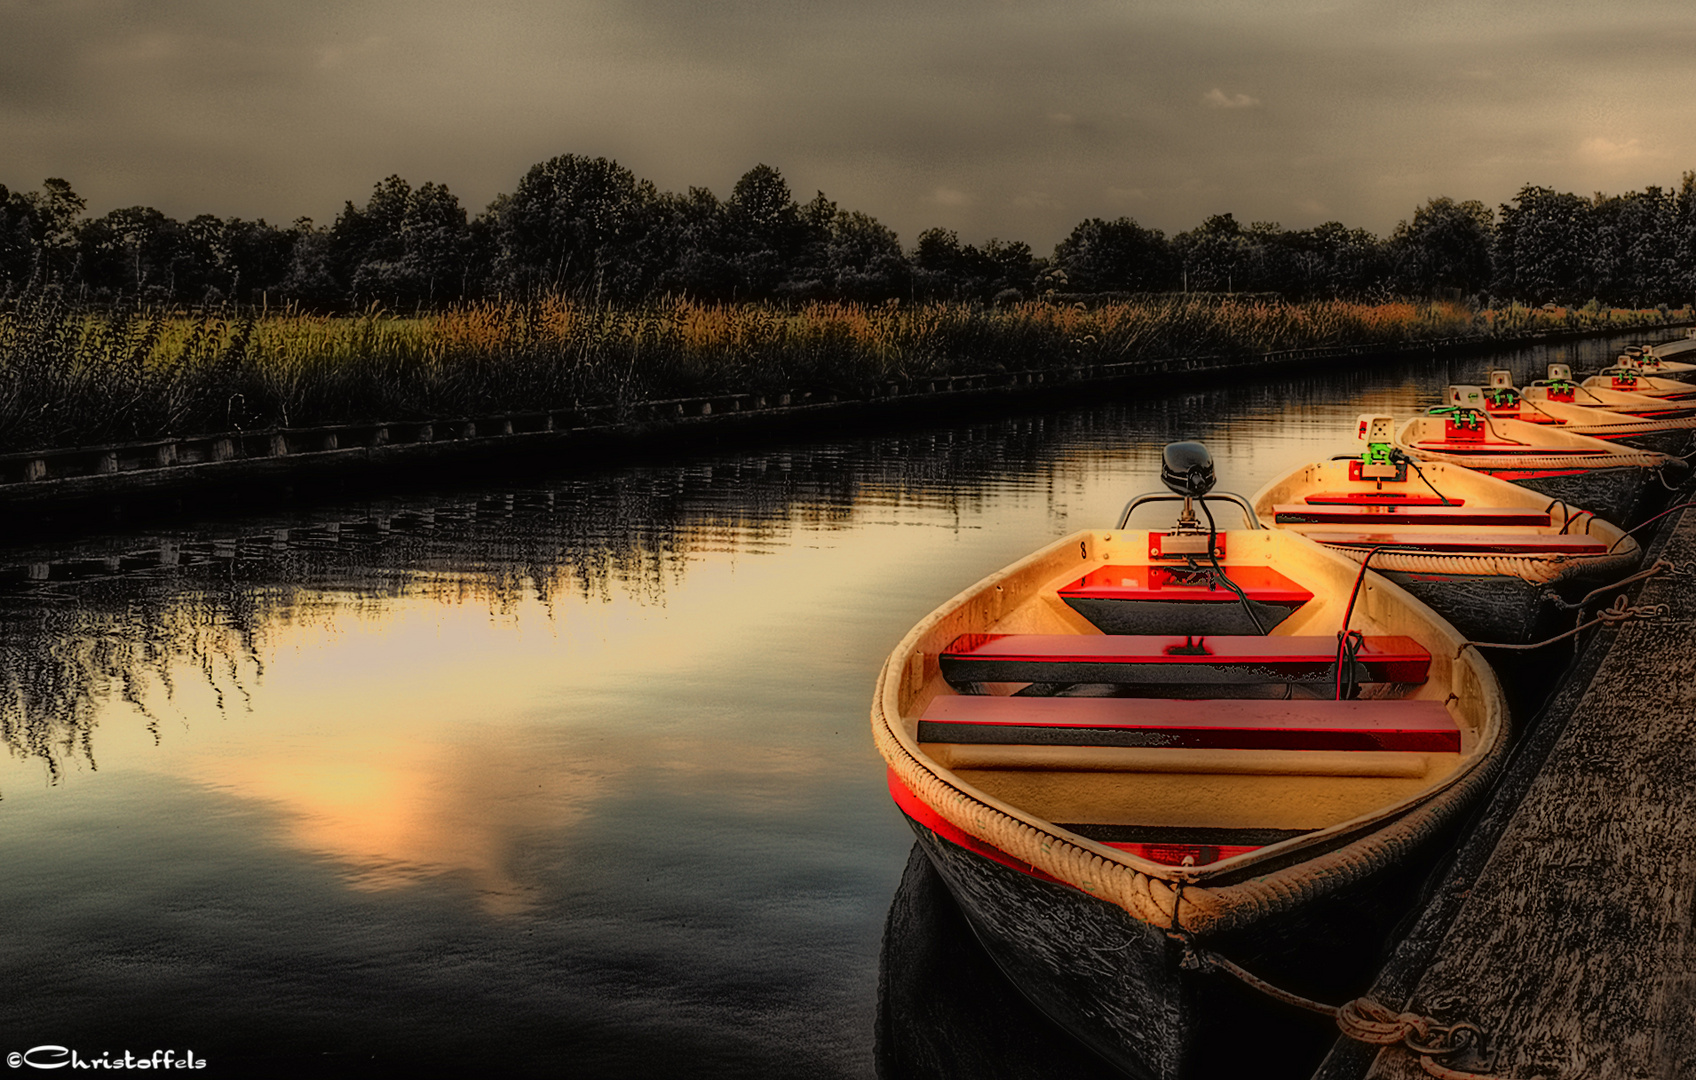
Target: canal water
[560, 775]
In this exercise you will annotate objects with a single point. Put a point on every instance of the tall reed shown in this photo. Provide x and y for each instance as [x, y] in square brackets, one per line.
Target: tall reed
[72, 376]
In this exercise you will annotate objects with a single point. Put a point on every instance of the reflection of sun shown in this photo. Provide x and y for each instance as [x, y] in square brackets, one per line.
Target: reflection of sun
[396, 811]
[414, 740]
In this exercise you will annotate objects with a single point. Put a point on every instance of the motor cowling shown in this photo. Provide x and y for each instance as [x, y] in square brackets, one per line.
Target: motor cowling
[1186, 468]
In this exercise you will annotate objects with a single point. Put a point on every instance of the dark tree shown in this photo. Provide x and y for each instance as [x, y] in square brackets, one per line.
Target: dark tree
[1446, 246]
[575, 224]
[1212, 255]
[1542, 244]
[1120, 255]
[134, 252]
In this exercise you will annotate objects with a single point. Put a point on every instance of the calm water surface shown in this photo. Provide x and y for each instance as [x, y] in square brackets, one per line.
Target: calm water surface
[570, 775]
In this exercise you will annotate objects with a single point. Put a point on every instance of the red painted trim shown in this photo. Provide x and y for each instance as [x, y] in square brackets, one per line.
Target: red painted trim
[920, 811]
[1379, 498]
[1297, 514]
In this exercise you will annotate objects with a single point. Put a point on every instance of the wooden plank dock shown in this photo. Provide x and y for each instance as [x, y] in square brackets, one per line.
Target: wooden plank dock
[1564, 927]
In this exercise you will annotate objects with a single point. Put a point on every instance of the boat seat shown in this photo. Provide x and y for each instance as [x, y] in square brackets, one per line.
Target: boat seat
[1235, 724]
[1138, 658]
[1463, 543]
[1379, 498]
[1296, 514]
[1141, 598]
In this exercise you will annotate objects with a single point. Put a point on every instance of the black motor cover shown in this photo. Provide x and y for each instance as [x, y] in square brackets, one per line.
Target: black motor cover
[1186, 468]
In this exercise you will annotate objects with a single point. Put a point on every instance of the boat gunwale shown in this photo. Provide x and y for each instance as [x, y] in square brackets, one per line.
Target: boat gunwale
[1533, 567]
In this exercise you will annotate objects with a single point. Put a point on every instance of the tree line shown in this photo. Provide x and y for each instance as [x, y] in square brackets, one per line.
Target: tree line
[586, 227]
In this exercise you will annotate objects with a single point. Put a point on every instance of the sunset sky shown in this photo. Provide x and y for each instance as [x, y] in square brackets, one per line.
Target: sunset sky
[994, 118]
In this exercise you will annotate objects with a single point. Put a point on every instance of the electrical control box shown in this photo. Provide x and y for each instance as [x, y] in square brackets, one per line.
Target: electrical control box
[1465, 397]
[1377, 429]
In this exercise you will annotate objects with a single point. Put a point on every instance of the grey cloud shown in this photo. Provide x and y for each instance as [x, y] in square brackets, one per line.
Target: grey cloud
[1035, 117]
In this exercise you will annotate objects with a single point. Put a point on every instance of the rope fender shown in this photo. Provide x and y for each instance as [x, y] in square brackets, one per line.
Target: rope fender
[1645, 459]
[1150, 899]
[1535, 570]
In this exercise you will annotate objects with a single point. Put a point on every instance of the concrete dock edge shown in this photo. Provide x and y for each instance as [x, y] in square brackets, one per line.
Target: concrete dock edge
[1562, 927]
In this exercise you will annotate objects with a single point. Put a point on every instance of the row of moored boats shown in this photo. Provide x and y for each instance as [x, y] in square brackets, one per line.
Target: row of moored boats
[1249, 728]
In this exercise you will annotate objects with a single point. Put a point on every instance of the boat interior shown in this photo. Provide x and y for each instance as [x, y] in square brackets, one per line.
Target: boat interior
[1187, 696]
[1383, 497]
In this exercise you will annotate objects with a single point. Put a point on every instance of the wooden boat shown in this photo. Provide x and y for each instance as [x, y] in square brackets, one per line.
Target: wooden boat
[1667, 434]
[1616, 482]
[1492, 557]
[1099, 800]
[1634, 381]
[1651, 362]
[1559, 386]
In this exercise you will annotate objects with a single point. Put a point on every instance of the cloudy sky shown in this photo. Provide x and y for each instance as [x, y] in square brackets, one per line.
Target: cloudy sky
[998, 118]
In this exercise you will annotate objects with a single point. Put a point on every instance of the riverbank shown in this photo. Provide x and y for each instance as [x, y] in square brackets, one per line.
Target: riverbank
[1562, 927]
[73, 376]
[287, 454]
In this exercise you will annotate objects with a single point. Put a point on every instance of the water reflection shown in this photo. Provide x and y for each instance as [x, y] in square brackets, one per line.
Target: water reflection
[571, 768]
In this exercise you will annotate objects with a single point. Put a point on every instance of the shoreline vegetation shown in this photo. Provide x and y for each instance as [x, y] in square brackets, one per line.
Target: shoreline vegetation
[75, 376]
[586, 287]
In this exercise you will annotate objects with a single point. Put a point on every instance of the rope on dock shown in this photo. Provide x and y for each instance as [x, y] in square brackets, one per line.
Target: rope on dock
[1363, 1019]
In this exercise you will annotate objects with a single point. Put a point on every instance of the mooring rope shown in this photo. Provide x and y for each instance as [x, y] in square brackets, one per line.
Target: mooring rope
[1619, 612]
[1650, 521]
[1660, 566]
[1362, 1019]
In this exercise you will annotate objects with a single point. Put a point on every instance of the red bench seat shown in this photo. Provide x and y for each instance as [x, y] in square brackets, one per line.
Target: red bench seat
[1138, 658]
[1147, 582]
[1296, 514]
[1462, 543]
[1232, 724]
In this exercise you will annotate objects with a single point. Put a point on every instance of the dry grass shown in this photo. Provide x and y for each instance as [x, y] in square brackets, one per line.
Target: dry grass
[73, 377]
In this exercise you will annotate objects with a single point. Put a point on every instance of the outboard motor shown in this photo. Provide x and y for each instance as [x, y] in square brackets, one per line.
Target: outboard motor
[1186, 468]
[1559, 385]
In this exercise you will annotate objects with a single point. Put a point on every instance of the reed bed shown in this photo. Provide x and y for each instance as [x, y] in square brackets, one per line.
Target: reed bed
[77, 377]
